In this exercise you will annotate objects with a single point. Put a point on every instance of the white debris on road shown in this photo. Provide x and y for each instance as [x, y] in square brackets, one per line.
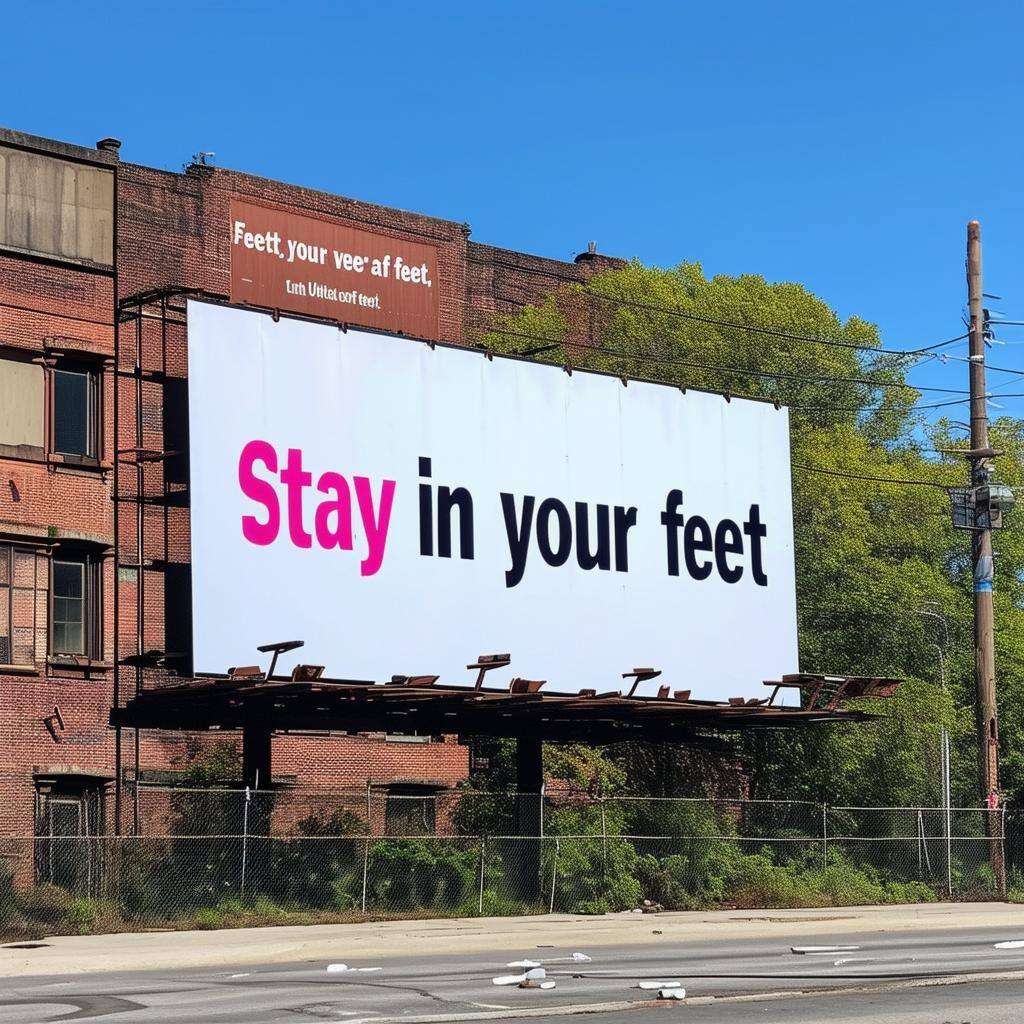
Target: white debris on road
[823, 949]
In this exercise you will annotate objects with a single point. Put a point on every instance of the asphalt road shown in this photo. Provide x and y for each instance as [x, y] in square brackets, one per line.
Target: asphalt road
[870, 983]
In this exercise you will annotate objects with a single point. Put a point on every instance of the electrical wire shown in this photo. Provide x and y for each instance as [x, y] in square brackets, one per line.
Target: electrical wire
[863, 346]
[739, 370]
[866, 345]
[988, 366]
[871, 479]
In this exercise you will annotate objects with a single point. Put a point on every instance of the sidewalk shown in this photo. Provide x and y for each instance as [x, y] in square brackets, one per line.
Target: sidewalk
[85, 954]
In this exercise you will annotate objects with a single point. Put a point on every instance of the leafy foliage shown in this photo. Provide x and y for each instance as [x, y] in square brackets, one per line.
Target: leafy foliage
[871, 552]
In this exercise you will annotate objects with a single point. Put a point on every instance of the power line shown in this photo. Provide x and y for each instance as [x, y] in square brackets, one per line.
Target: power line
[988, 366]
[876, 408]
[776, 332]
[915, 408]
[696, 364]
[871, 479]
[865, 346]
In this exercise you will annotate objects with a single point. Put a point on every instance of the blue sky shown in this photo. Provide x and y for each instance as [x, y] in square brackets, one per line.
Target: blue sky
[844, 146]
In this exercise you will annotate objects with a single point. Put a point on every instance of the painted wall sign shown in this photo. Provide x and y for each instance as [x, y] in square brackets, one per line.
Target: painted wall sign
[284, 260]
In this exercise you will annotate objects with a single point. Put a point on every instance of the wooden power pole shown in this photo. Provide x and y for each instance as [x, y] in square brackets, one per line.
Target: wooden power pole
[984, 640]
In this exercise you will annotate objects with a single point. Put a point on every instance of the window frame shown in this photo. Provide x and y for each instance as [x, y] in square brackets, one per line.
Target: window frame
[404, 803]
[8, 551]
[92, 606]
[93, 410]
[28, 450]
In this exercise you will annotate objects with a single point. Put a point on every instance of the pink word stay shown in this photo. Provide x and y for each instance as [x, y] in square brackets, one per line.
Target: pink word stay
[332, 520]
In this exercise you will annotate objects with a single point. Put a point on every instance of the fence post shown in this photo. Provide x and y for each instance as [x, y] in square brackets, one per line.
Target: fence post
[1002, 844]
[921, 841]
[949, 845]
[366, 844]
[604, 842]
[924, 842]
[824, 836]
[554, 875]
[480, 905]
[245, 840]
[366, 864]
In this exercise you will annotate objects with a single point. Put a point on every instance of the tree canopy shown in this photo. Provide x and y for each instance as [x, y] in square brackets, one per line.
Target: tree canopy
[882, 576]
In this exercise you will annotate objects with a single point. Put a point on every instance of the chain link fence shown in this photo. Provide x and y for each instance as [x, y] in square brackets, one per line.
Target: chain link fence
[211, 857]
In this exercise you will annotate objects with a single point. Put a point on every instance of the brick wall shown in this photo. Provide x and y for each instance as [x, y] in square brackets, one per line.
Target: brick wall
[173, 231]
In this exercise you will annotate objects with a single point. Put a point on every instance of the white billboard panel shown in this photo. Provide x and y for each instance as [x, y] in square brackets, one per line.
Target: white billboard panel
[404, 509]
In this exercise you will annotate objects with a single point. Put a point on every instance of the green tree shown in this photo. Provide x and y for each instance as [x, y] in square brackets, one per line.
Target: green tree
[871, 550]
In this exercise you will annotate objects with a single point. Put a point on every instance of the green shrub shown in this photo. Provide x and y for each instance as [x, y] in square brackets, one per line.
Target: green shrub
[8, 900]
[692, 878]
[498, 905]
[406, 874]
[596, 877]
[207, 919]
[910, 892]
[45, 903]
[758, 882]
[849, 886]
[323, 867]
[86, 916]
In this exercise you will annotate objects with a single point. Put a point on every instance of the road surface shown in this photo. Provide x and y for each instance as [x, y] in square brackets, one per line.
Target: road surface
[924, 977]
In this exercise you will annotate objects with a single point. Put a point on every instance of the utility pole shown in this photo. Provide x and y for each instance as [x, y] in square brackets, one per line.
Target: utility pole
[981, 488]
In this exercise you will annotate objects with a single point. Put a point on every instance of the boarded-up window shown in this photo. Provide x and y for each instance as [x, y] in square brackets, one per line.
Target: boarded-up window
[21, 403]
[56, 208]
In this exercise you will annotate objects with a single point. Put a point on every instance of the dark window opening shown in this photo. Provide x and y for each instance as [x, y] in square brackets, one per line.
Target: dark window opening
[76, 413]
[66, 818]
[410, 811]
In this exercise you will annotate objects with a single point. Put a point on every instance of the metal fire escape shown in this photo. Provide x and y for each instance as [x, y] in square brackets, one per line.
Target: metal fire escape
[151, 533]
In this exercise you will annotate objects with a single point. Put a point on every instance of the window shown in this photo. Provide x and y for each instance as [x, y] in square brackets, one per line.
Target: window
[410, 810]
[68, 607]
[74, 610]
[68, 811]
[76, 413]
[21, 406]
[22, 605]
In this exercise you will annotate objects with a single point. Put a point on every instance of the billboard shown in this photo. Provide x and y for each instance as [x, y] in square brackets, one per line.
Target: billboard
[285, 260]
[403, 509]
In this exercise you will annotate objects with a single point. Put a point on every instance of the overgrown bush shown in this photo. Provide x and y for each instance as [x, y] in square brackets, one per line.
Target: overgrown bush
[406, 874]
[596, 876]
[691, 879]
[322, 867]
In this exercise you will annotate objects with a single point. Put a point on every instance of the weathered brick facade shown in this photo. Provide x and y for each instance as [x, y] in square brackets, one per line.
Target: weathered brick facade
[172, 231]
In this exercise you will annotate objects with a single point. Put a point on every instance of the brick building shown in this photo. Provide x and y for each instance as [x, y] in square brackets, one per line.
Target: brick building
[93, 251]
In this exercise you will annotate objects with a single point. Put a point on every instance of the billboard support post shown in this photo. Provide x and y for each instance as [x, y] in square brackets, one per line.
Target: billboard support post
[256, 761]
[529, 786]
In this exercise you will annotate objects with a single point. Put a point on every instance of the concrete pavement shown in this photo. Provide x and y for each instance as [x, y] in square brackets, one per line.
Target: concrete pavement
[907, 975]
[67, 955]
